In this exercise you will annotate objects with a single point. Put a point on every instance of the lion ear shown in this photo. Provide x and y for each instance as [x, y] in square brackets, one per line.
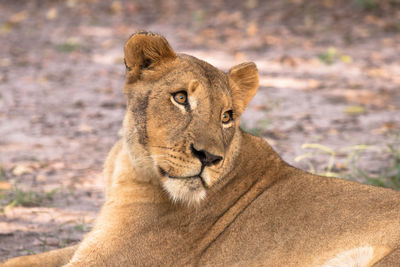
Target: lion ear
[145, 50]
[243, 80]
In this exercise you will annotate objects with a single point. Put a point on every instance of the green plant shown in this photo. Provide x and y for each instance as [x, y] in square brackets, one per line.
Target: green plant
[43, 243]
[68, 46]
[331, 55]
[318, 149]
[388, 176]
[353, 154]
[395, 167]
[29, 252]
[2, 173]
[261, 125]
[62, 243]
[367, 4]
[259, 128]
[82, 226]
[20, 197]
[50, 194]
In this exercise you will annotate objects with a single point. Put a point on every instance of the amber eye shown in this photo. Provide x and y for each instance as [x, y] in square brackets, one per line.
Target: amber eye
[226, 116]
[180, 97]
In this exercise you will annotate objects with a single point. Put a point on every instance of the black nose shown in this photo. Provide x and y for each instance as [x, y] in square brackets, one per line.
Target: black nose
[205, 157]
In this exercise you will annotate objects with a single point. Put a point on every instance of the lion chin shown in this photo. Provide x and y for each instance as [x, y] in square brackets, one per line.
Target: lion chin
[187, 190]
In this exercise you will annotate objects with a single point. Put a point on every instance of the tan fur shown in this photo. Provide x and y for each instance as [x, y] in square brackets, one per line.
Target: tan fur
[58, 257]
[245, 207]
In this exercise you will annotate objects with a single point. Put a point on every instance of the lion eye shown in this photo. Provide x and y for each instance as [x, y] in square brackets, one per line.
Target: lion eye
[180, 97]
[226, 116]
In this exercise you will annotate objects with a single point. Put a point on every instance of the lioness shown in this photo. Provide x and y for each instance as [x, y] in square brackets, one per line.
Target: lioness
[186, 186]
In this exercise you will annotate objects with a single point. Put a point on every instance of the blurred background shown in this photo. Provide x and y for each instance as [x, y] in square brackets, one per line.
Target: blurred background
[328, 102]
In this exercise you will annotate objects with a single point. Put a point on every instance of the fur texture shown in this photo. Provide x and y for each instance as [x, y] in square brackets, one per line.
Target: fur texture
[186, 186]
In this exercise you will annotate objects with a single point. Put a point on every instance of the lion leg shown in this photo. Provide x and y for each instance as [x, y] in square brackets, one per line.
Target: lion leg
[392, 259]
[103, 247]
[53, 258]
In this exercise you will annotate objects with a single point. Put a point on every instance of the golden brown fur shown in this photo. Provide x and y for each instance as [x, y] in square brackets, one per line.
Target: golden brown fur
[185, 186]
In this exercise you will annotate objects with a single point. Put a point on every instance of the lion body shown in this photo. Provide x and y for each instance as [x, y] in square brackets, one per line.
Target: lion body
[184, 189]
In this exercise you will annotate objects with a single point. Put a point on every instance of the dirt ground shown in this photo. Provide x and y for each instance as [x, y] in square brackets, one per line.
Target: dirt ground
[329, 72]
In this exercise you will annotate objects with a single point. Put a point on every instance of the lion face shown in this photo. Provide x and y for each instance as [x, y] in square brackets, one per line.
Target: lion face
[182, 117]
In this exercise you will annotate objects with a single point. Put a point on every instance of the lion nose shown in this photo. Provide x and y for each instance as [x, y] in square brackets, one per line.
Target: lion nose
[206, 158]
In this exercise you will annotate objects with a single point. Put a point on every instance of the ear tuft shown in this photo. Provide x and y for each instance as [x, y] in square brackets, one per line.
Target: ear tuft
[144, 50]
[243, 80]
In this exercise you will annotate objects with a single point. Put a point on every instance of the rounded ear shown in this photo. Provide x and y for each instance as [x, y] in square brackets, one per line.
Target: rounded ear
[243, 81]
[145, 50]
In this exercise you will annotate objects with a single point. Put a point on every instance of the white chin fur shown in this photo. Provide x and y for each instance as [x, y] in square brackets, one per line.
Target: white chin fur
[185, 191]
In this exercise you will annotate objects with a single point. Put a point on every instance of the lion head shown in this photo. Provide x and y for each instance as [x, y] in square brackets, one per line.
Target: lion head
[181, 126]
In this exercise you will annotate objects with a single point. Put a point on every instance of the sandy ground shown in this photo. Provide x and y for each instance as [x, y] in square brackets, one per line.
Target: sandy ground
[329, 72]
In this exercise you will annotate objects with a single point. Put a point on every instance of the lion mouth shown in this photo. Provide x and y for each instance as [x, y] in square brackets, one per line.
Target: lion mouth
[198, 176]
